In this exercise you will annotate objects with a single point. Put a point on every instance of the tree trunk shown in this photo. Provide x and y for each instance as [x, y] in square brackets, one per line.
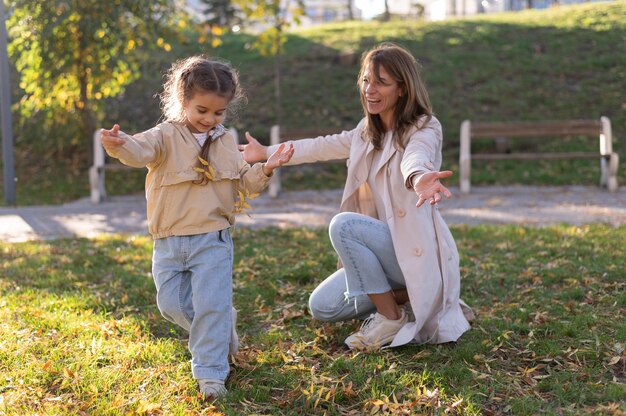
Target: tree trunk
[386, 14]
[453, 11]
[350, 14]
[277, 76]
[87, 116]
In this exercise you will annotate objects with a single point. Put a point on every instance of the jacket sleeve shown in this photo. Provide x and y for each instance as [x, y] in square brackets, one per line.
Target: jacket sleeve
[253, 178]
[319, 149]
[141, 149]
[423, 151]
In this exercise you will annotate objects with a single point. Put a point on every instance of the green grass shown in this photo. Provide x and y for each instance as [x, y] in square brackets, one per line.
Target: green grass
[81, 333]
[559, 63]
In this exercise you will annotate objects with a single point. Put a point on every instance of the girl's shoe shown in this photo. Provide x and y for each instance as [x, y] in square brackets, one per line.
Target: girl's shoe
[211, 389]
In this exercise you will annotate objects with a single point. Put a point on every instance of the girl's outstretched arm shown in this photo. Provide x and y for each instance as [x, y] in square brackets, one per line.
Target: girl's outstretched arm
[111, 138]
[281, 156]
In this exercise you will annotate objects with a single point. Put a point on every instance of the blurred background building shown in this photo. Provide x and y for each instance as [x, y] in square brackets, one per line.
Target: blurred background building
[324, 11]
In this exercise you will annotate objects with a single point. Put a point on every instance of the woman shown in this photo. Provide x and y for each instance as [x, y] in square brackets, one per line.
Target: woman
[400, 262]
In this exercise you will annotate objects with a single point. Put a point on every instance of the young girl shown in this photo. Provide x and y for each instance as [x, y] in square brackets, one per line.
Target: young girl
[194, 186]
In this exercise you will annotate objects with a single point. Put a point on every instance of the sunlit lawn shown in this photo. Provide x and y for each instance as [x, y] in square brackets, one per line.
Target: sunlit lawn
[80, 332]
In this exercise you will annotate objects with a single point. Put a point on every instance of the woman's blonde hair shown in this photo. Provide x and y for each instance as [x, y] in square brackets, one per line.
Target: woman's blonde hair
[411, 106]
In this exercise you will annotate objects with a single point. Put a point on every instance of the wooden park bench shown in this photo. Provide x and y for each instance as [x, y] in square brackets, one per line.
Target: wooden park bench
[278, 135]
[608, 159]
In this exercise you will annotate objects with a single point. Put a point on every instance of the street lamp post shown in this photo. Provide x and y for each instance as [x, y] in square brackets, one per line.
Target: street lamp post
[5, 114]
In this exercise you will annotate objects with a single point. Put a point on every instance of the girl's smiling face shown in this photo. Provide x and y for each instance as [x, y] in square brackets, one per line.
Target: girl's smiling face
[205, 110]
[381, 94]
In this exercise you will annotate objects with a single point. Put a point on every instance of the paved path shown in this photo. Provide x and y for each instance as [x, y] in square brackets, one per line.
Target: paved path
[535, 206]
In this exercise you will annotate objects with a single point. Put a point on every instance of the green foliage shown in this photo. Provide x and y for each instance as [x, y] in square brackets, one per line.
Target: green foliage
[82, 334]
[274, 16]
[560, 63]
[72, 55]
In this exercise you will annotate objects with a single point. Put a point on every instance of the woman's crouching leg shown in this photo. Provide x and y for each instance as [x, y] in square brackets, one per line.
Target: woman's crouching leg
[328, 301]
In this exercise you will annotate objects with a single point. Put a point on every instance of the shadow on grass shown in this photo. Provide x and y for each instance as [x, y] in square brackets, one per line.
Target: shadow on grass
[106, 276]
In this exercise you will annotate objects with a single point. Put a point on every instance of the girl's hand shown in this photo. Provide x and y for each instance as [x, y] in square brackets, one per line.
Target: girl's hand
[110, 139]
[281, 156]
[428, 187]
[253, 151]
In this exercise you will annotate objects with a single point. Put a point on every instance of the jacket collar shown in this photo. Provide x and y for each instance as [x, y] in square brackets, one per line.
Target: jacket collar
[217, 132]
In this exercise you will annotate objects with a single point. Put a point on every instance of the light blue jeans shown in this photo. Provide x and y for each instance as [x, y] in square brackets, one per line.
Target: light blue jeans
[370, 265]
[193, 277]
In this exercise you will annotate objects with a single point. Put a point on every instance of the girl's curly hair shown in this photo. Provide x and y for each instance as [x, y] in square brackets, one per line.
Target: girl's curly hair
[198, 74]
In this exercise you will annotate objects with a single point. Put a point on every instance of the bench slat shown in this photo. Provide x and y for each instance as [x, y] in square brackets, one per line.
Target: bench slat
[536, 129]
[535, 156]
[306, 133]
[117, 166]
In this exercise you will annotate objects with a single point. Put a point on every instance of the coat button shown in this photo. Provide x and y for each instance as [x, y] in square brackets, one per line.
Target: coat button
[417, 252]
[400, 212]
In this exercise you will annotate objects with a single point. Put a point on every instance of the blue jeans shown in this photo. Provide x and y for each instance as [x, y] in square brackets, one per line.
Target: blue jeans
[193, 277]
[370, 266]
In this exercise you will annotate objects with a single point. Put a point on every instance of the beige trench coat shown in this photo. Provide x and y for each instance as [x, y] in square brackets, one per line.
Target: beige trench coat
[422, 241]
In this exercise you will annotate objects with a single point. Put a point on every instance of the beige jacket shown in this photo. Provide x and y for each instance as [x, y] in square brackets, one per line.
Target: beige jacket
[176, 205]
[422, 241]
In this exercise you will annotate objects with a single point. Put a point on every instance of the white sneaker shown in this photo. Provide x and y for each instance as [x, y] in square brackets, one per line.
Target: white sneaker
[212, 389]
[233, 345]
[376, 331]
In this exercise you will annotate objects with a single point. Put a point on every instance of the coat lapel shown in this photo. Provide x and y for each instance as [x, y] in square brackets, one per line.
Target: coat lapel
[388, 151]
[357, 170]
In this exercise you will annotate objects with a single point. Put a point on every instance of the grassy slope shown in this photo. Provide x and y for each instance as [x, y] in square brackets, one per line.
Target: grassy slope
[560, 63]
[81, 333]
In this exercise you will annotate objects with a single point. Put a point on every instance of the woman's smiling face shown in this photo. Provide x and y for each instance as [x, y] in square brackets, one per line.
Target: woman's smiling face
[381, 94]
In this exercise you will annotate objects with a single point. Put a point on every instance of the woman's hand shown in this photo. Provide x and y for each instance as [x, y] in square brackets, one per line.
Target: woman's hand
[428, 187]
[281, 156]
[110, 139]
[253, 151]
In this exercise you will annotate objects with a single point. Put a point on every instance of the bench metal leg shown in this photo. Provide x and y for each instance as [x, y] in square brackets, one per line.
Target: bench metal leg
[96, 172]
[274, 186]
[608, 166]
[96, 183]
[465, 157]
[612, 172]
